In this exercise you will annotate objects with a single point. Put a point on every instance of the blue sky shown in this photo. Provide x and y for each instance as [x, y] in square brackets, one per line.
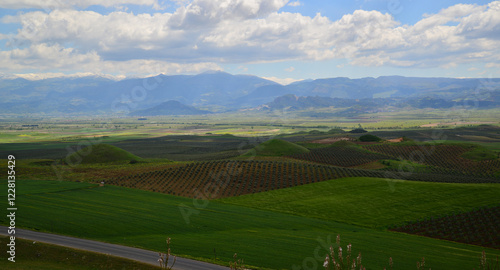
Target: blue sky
[277, 39]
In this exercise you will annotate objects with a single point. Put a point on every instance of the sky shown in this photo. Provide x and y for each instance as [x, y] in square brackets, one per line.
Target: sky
[281, 40]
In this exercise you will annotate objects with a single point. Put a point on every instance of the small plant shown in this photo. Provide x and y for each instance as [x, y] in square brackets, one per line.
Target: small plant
[485, 264]
[237, 264]
[163, 260]
[421, 264]
[338, 262]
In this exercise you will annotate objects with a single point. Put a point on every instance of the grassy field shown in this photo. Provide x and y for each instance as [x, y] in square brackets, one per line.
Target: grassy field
[263, 238]
[41, 256]
[372, 202]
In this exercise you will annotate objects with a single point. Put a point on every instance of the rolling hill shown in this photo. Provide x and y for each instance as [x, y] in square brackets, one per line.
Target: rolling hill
[100, 153]
[276, 147]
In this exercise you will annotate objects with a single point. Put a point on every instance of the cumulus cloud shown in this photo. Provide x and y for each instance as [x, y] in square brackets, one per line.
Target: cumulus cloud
[199, 34]
[205, 13]
[46, 57]
[92, 31]
[294, 4]
[49, 75]
[65, 4]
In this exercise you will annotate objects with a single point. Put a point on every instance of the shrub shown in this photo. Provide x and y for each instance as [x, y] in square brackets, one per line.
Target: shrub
[369, 138]
[358, 130]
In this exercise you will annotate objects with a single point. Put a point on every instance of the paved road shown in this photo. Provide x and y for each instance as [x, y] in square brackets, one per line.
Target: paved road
[137, 254]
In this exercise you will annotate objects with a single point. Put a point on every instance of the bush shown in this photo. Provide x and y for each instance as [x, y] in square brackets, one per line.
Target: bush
[369, 138]
[358, 130]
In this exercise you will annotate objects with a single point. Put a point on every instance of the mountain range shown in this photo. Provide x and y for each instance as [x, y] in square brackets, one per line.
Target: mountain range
[220, 92]
[171, 107]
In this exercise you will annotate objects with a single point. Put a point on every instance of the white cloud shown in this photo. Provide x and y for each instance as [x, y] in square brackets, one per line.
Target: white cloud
[294, 4]
[243, 68]
[242, 31]
[65, 4]
[482, 24]
[282, 81]
[205, 13]
[47, 58]
[41, 76]
[492, 65]
[290, 69]
[44, 57]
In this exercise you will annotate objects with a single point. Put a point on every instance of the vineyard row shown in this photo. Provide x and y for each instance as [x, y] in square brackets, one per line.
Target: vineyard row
[219, 179]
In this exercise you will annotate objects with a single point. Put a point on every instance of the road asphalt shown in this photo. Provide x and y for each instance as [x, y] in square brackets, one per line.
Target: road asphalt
[142, 255]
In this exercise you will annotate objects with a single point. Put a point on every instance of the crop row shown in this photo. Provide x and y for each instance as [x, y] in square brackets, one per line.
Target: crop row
[478, 227]
[340, 156]
[448, 157]
[219, 179]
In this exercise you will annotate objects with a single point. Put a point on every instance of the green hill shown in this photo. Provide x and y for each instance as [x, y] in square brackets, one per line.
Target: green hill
[276, 147]
[100, 153]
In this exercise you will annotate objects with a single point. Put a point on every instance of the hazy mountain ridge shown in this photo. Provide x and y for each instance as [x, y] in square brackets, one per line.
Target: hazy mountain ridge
[171, 107]
[98, 95]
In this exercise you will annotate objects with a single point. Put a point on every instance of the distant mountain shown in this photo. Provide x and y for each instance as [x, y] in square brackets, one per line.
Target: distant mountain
[100, 95]
[171, 107]
[293, 102]
[381, 87]
[354, 107]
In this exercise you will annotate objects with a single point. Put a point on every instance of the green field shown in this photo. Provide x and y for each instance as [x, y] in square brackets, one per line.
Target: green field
[372, 202]
[263, 238]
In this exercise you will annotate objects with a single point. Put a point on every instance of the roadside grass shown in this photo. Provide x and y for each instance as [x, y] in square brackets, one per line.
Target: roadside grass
[262, 238]
[376, 202]
[42, 256]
